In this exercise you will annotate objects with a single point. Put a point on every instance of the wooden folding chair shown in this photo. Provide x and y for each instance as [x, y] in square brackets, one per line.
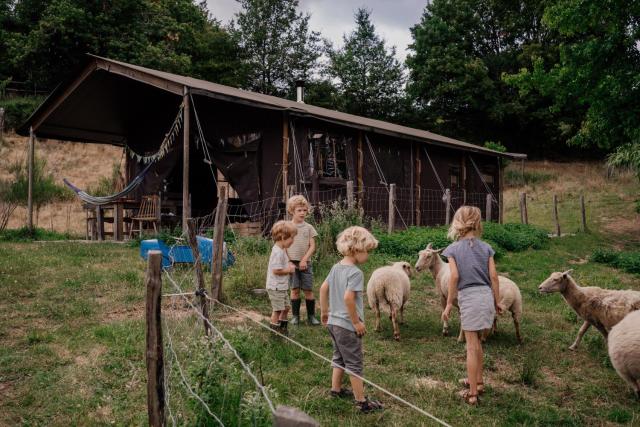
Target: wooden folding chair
[149, 213]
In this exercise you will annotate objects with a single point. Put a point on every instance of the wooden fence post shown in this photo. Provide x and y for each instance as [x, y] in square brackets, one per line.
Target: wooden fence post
[583, 213]
[186, 127]
[350, 199]
[291, 190]
[524, 215]
[154, 354]
[488, 206]
[1, 121]
[32, 143]
[555, 215]
[218, 240]
[193, 242]
[447, 202]
[392, 208]
[286, 416]
[418, 189]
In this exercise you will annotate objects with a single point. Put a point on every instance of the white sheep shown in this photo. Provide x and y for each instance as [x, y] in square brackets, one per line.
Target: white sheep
[510, 297]
[388, 290]
[624, 349]
[601, 308]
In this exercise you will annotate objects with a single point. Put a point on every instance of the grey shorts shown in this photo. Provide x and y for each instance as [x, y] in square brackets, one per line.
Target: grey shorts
[347, 349]
[301, 278]
[477, 309]
[279, 299]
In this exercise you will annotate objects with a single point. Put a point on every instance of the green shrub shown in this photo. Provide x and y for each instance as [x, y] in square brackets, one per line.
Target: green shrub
[334, 217]
[627, 261]
[516, 237]
[18, 110]
[251, 246]
[25, 235]
[637, 206]
[514, 178]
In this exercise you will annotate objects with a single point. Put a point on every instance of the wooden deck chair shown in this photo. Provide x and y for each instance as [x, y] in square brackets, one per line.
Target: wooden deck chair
[149, 212]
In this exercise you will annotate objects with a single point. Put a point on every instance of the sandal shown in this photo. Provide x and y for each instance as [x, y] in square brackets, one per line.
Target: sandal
[465, 383]
[470, 398]
[343, 392]
[367, 405]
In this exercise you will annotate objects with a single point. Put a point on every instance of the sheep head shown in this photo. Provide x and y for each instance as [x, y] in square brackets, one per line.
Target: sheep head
[427, 258]
[556, 282]
[406, 267]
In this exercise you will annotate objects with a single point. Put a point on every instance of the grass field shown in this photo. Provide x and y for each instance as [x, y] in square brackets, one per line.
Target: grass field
[72, 332]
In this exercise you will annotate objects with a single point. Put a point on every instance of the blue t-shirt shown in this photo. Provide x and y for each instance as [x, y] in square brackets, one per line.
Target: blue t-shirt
[472, 259]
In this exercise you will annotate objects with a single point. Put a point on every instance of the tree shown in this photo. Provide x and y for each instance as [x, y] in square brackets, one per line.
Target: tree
[461, 51]
[279, 48]
[370, 78]
[597, 74]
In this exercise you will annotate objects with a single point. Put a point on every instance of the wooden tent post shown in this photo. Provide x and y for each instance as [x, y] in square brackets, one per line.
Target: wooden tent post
[488, 209]
[350, 199]
[154, 353]
[463, 169]
[186, 206]
[524, 216]
[285, 155]
[447, 203]
[418, 188]
[32, 143]
[500, 191]
[359, 175]
[218, 245]
[195, 251]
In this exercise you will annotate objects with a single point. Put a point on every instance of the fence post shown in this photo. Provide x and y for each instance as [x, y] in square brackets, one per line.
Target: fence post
[392, 208]
[32, 143]
[488, 206]
[193, 242]
[524, 215]
[286, 416]
[583, 213]
[1, 122]
[291, 190]
[350, 200]
[218, 240]
[447, 202]
[555, 214]
[154, 353]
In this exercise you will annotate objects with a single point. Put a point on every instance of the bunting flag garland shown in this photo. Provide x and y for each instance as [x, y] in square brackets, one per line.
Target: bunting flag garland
[167, 142]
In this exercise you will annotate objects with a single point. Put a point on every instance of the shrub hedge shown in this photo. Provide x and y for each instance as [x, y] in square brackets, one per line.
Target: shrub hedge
[626, 261]
[18, 110]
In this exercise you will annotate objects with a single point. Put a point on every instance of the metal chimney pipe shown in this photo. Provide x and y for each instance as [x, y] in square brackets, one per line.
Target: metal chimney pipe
[300, 91]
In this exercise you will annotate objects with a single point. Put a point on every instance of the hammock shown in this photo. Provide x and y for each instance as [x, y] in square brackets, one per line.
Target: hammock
[97, 201]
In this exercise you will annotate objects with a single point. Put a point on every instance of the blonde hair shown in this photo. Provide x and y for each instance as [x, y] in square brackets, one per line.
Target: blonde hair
[296, 201]
[282, 230]
[466, 219]
[355, 239]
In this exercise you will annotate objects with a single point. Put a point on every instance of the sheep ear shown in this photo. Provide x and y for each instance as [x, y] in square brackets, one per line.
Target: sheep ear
[567, 273]
[440, 250]
[430, 245]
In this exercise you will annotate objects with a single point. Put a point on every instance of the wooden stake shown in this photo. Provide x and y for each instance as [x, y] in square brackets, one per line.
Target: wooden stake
[286, 416]
[32, 144]
[447, 203]
[193, 242]
[1, 122]
[583, 213]
[418, 188]
[521, 204]
[392, 208]
[350, 199]
[555, 215]
[154, 353]
[285, 155]
[359, 172]
[487, 212]
[186, 206]
[218, 240]
[100, 223]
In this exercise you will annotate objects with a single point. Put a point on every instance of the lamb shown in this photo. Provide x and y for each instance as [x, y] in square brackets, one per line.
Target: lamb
[510, 297]
[601, 308]
[624, 349]
[388, 290]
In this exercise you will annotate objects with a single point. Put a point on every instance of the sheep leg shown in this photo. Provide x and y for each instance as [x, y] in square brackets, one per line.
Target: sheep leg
[494, 329]
[461, 335]
[581, 332]
[516, 323]
[402, 315]
[376, 309]
[394, 320]
[445, 324]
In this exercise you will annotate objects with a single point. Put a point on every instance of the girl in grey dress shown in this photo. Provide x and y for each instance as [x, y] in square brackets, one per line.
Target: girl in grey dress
[474, 281]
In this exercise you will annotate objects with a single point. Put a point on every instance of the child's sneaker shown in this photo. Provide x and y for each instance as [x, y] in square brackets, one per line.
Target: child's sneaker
[367, 405]
[343, 393]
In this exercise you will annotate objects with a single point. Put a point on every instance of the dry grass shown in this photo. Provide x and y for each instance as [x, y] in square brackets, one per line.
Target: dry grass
[82, 164]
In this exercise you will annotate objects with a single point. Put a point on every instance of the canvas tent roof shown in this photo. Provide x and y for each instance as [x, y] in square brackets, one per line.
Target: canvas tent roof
[48, 121]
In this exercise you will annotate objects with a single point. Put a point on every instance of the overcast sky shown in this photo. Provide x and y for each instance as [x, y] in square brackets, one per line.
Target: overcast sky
[333, 18]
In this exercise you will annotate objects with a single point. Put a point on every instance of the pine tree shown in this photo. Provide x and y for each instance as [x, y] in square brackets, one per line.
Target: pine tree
[370, 78]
